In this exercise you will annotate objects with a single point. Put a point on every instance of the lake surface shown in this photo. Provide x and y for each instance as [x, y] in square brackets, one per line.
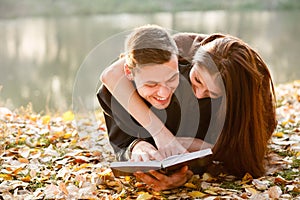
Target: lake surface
[55, 63]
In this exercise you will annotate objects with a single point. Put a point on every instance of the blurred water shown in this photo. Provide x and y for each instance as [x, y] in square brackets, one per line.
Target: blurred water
[46, 60]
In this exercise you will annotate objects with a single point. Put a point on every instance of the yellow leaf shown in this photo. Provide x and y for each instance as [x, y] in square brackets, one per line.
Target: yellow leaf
[68, 116]
[84, 165]
[127, 178]
[16, 171]
[73, 142]
[284, 123]
[291, 121]
[21, 140]
[59, 134]
[197, 194]
[207, 177]
[247, 178]
[278, 134]
[252, 191]
[33, 118]
[26, 179]
[23, 160]
[67, 135]
[17, 137]
[190, 185]
[46, 119]
[144, 196]
[210, 192]
[6, 177]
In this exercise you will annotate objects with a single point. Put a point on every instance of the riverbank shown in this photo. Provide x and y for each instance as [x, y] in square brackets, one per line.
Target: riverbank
[64, 156]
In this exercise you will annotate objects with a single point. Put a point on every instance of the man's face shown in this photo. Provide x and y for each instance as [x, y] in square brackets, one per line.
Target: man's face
[157, 82]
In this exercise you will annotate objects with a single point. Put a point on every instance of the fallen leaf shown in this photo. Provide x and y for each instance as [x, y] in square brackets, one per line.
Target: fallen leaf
[63, 188]
[247, 178]
[68, 116]
[197, 194]
[144, 196]
[274, 192]
[190, 185]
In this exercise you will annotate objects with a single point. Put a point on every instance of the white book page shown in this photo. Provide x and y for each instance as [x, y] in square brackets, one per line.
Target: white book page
[173, 160]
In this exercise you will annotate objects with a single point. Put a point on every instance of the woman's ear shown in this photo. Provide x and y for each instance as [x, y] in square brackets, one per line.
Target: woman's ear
[128, 72]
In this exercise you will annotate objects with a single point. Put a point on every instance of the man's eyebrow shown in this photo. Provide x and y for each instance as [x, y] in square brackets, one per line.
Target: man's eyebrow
[174, 75]
[156, 82]
[151, 82]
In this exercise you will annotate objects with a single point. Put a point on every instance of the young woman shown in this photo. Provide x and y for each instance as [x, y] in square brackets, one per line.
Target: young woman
[228, 67]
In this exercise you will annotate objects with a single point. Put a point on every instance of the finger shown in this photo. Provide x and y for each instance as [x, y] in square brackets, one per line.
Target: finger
[184, 169]
[146, 178]
[145, 157]
[159, 176]
[183, 172]
[155, 155]
[164, 153]
[136, 157]
[189, 174]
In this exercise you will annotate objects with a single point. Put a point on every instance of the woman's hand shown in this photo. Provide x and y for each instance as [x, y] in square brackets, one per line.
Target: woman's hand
[161, 181]
[193, 144]
[167, 144]
[144, 151]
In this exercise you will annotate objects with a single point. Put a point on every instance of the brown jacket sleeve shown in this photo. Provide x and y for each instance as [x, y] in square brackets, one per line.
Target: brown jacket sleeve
[187, 44]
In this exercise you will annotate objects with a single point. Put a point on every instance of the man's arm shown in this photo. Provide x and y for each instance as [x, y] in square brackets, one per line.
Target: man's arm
[119, 140]
[129, 140]
[158, 181]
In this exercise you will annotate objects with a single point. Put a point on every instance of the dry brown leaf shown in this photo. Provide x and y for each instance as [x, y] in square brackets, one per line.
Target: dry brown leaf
[274, 192]
[23, 160]
[63, 188]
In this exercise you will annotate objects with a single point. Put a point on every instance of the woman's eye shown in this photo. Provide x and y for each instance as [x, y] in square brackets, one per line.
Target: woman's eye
[197, 80]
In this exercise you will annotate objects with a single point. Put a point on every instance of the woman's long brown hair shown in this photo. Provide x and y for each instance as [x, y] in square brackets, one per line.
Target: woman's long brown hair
[250, 105]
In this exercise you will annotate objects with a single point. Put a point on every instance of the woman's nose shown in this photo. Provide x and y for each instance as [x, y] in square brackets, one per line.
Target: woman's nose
[200, 92]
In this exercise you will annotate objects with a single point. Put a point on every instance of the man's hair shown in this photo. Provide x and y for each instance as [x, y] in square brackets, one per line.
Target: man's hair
[149, 44]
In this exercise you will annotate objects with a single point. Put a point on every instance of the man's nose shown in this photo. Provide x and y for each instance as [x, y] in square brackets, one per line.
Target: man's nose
[164, 91]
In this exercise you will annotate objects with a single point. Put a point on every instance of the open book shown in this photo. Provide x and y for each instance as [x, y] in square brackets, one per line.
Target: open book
[195, 161]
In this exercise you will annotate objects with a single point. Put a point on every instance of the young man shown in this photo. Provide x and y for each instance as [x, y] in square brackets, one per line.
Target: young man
[150, 62]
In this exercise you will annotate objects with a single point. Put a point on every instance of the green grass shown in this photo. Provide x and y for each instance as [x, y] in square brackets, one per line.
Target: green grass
[231, 185]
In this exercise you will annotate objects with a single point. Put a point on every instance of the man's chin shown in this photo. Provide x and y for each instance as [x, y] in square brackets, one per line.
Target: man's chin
[161, 106]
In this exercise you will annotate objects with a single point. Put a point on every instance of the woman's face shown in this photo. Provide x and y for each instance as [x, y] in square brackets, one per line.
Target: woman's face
[204, 84]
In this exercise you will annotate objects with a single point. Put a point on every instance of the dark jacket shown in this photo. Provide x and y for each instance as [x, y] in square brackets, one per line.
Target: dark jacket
[183, 117]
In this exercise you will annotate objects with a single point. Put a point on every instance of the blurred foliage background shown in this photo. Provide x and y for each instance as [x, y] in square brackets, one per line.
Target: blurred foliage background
[17, 8]
[52, 52]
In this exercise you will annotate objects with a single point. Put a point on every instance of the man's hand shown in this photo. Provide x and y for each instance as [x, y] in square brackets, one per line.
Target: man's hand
[160, 181]
[144, 151]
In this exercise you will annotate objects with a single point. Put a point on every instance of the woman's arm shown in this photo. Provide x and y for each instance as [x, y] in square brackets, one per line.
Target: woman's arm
[193, 144]
[123, 90]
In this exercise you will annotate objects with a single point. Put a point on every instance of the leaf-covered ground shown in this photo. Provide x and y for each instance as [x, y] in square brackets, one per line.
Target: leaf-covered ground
[66, 157]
